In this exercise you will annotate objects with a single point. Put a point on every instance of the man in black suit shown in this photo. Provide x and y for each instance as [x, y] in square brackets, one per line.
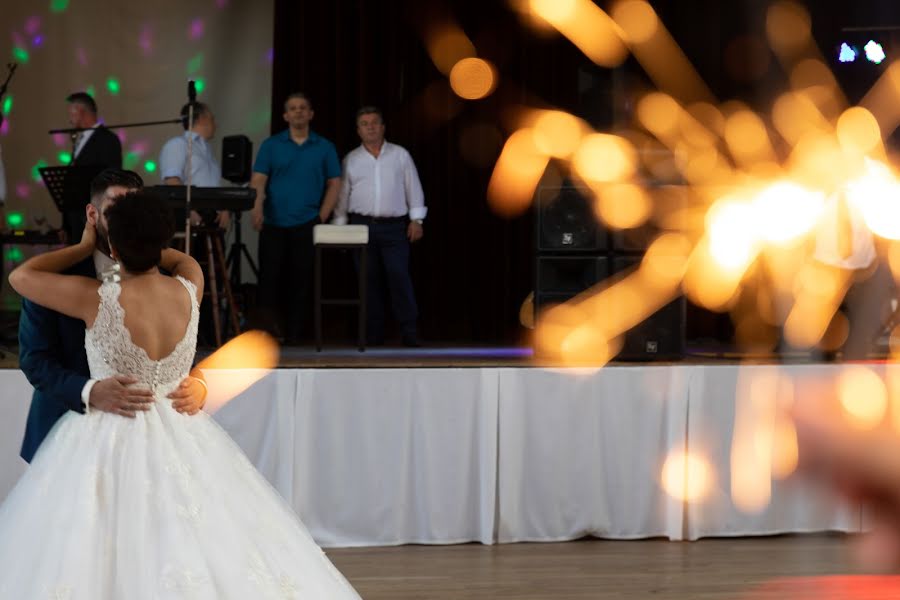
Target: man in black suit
[97, 146]
[51, 345]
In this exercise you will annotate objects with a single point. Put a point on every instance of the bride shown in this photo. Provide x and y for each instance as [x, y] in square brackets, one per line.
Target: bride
[162, 505]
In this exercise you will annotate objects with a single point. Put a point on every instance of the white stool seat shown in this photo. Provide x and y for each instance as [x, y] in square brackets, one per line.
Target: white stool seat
[340, 234]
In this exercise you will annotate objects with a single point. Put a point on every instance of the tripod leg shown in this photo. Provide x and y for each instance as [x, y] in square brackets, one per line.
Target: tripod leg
[226, 284]
[211, 268]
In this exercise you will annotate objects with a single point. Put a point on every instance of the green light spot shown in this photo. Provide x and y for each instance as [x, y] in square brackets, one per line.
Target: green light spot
[130, 160]
[59, 6]
[90, 91]
[7, 105]
[199, 84]
[35, 174]
[112, 84]
[195, 64]
[20, 54]
[150, 166]
[15, 220]
[64, 157]
[14, 254]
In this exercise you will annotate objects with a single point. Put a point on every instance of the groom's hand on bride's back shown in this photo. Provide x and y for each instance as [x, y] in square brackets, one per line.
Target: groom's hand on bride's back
[114, 396]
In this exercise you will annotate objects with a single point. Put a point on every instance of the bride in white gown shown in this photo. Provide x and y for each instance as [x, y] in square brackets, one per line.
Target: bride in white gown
[159, 506]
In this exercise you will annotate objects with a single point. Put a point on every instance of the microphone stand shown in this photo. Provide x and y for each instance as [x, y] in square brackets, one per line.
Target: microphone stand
[192, 98]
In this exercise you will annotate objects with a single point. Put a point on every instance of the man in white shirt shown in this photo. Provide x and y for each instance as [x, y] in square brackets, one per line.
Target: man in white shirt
[380, 188]
[205, 169]
[845, 242]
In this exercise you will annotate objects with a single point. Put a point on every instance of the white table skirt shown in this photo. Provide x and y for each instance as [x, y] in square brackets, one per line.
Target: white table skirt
[438, 456]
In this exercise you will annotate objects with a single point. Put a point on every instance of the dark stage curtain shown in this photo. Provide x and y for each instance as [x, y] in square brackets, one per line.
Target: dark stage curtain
[473, 269]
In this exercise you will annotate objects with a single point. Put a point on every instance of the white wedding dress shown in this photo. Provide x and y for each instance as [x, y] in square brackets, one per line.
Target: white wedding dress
[158, 507]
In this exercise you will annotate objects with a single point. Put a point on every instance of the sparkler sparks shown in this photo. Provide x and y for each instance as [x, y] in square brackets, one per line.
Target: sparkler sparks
[758, 191]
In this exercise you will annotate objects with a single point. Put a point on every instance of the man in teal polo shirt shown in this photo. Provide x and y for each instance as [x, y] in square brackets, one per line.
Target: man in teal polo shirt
[296, 177]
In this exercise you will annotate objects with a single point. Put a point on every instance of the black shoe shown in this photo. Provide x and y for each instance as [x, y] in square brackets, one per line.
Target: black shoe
[411, 341]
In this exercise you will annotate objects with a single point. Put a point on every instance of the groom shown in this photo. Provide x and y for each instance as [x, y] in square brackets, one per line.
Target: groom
[51, 345]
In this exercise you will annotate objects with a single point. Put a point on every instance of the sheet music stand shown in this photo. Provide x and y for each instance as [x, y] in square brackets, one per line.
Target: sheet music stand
[70, 189]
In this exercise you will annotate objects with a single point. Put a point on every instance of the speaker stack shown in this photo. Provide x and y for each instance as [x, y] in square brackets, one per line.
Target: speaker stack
[574, 252]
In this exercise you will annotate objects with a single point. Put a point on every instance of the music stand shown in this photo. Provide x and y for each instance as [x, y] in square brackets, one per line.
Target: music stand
[70, 189]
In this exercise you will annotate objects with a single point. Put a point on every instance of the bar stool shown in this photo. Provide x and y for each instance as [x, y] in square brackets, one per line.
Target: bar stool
[353, 237]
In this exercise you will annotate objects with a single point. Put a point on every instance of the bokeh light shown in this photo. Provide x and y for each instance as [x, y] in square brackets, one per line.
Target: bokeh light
[585, 25]
[20, 54]
[14, 254]
[557, 133]
[64, 157]
[195, 64]
[863, 397]
[687, 477]
[113, 86]
[150, 166]
[197, 28]
[59, 6]
[604, 158]
[447, 46]
[35, 173]
[199, 85]
[15, 219]
[473, 78]
[243, 361]
[7, 104]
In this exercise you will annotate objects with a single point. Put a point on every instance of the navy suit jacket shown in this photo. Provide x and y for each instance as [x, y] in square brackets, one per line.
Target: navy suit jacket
[53, 358]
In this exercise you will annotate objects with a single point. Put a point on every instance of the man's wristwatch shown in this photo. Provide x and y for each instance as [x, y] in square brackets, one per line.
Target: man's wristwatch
[418, 221]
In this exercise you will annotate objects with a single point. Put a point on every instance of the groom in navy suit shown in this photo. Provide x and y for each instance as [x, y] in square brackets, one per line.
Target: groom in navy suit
[51, 345]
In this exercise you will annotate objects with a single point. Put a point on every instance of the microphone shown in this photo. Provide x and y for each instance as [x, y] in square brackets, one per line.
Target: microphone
[192, 91]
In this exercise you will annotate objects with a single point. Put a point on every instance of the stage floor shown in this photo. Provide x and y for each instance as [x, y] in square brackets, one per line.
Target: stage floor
[463, 356]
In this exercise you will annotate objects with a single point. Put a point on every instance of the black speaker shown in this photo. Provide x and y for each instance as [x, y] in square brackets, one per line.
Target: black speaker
[670, 204]
[559, 278]
[566, 221]
[237, 154]
[658, 337]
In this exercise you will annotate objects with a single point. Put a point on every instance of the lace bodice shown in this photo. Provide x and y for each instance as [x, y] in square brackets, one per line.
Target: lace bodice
[111, 351]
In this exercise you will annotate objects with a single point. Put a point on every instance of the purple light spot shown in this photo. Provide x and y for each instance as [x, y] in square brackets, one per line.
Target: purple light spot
[196, 31]
[140, 147]
[4, 129]
[60, 139]
[23, 190]
[32, 25]
[270, 55]
[122, 135]
[221, 3]
[82, 56]
[146, 40]
[37, 41]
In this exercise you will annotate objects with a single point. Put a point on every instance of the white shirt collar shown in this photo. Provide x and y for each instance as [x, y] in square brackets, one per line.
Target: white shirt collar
[102, 263]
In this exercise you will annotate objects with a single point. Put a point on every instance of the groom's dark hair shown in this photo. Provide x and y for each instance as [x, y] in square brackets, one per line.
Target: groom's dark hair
[140, 226]
[108, 178]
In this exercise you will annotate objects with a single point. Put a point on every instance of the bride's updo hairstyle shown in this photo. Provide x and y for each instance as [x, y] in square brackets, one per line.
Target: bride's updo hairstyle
[140, 225]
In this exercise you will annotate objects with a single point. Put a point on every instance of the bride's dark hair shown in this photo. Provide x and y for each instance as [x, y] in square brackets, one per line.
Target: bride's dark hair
[140, 226]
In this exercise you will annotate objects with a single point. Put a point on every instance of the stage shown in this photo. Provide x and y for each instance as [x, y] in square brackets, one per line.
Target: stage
[490, 454]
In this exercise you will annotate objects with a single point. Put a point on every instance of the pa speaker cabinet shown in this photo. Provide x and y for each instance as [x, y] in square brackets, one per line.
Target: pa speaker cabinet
[661, 335]
[559, 278]
[566, 221]
[237, 154]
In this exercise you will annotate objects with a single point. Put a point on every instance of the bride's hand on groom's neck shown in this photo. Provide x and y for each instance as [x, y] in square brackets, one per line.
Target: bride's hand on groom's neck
[89, 237]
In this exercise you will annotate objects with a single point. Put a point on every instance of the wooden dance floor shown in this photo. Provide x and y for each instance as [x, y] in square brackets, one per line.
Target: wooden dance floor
[712, 569]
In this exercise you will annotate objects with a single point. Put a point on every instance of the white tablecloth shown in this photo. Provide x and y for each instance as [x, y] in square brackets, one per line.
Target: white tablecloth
[393, 456]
